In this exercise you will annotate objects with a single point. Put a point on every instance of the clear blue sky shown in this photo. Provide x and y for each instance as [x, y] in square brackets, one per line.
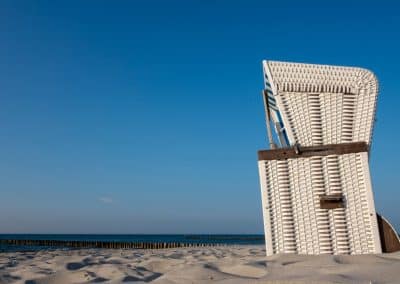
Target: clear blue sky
[146, 116]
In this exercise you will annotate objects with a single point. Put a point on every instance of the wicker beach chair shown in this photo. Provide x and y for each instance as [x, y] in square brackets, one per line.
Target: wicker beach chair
[316, 188]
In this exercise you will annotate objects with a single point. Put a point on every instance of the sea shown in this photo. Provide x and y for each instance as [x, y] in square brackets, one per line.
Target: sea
[230, 239]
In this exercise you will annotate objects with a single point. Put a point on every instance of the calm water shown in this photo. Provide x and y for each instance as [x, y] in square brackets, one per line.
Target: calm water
[221, 239]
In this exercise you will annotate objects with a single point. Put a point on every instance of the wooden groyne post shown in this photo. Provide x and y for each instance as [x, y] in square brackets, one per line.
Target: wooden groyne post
[104, 244]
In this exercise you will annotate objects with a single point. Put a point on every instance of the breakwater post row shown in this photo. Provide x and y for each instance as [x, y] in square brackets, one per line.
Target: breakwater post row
[225, 237]
[107, 245]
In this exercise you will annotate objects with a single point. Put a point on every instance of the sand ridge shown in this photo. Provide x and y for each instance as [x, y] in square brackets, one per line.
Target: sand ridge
[230, 264]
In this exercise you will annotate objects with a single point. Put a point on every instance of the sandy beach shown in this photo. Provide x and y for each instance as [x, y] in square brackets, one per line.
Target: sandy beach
[230, 264]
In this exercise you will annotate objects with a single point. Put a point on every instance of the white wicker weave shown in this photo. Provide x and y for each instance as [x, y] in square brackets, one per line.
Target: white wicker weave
[321, 104]
[293, 220]
[315, 105]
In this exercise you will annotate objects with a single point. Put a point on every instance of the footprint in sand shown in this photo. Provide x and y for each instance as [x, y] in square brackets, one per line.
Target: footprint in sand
[74, 265]
[243, 270]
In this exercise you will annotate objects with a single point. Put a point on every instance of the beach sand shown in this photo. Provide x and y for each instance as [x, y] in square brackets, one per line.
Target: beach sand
[229, 264]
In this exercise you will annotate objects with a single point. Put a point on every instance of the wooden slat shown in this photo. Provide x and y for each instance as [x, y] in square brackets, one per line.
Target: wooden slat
[390, 241]
[309, 151]
[331, 201]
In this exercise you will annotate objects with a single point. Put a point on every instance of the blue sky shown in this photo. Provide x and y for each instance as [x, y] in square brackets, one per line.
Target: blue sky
[146, 116]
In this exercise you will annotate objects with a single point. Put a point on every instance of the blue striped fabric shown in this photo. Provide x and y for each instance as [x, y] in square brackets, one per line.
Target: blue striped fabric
[283, 138]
